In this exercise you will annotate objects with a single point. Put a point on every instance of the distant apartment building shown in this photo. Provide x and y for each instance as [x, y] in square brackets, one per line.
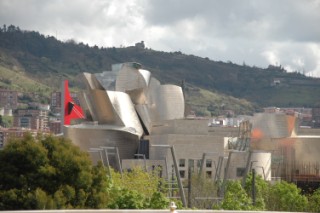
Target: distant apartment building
[55, 102]
[8, 99]
[13, 133]
[31, 119]
[55, 126]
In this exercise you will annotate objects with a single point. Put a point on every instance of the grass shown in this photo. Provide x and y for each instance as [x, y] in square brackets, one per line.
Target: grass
[17, 80]
[207, 103]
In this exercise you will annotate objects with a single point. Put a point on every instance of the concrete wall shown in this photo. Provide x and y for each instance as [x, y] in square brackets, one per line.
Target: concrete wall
[150, 165]
[261, 162]
[308, 131]
[181, 126]
[188, 148]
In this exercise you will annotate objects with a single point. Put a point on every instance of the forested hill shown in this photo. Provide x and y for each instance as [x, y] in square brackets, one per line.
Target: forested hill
[47, 60]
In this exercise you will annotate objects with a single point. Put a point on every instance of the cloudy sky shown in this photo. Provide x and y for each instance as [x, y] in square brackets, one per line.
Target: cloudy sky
[254, 32]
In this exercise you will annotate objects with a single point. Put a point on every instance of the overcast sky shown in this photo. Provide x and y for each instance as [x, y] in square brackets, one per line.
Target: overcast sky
[254, 32]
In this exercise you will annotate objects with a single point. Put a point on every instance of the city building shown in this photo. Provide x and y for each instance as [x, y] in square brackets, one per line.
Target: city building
[55, 126]
[8, 99]
[31, 119]
[7, 134]
[55, 101]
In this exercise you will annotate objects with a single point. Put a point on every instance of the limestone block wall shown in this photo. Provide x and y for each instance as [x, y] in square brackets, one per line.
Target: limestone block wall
[189, 150]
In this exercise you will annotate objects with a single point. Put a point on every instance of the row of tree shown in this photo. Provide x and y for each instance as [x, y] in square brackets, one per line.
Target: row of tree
[51, 173]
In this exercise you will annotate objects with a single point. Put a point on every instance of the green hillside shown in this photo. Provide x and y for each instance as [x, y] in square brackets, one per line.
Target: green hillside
[45, 61]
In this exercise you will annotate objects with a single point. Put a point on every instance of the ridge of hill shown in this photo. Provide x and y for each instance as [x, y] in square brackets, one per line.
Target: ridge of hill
[47, 60]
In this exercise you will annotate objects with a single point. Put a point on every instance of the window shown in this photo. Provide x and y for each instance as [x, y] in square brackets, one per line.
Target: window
[208, 163]
[209, 174]
[240, 172]
[182, 173]
[182, 162]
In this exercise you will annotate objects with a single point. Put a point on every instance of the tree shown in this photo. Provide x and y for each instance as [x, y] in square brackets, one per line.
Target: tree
[205, 188]
[145, 183]
[261, 191]
[158, 201]
[128, 199]
[138, 189]
[235, 198]
[49, 172]
[101, 188]
[314, 201]
[285, 196]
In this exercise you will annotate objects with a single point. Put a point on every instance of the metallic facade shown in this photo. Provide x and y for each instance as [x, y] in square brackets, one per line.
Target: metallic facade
[118, 104]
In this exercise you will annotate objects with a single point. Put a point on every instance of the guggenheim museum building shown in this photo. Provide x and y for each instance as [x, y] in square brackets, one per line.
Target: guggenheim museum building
[130, 119]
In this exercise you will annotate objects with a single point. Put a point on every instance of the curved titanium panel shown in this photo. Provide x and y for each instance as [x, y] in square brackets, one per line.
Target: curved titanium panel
[144, 113]
[103, 108]
[97, 102]
[169, 103]
[137, 96]
[130, 78]
[86, 106]
[146, 75]
[125, 110]
[133, 81]
[91, 81]
[107, 79]
[152, 91]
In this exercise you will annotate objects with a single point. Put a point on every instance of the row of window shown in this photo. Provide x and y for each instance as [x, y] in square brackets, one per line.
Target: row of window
[183, 174]
[208, 164]
[182, 163]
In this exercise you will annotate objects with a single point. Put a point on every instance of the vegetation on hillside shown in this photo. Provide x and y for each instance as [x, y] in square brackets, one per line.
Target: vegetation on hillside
[48, 60]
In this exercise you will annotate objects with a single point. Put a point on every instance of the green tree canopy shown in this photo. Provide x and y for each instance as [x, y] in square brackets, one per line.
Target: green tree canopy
[235, 198]
[284, 196]
[314, 201]
[261, 191]
[137, 189]
[49, 172]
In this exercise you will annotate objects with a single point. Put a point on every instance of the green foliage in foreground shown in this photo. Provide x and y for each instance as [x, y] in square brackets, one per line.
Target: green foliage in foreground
[138, 189]
[280, 196]
[51, 173]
